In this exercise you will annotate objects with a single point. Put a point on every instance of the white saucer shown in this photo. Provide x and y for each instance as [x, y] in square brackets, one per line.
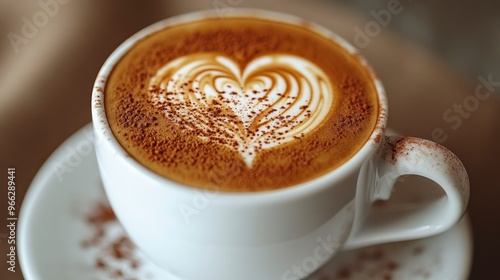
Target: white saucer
[57, 241]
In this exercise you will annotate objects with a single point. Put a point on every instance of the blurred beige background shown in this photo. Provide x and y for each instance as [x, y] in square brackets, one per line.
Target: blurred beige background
[429, 57]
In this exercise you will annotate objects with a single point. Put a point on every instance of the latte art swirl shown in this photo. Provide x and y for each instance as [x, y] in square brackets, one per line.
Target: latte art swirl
[276, 99]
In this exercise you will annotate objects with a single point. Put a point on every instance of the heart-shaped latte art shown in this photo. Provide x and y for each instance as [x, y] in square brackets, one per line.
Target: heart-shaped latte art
[276, 99]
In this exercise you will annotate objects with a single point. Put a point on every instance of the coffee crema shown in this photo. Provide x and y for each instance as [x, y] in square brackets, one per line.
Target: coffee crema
[240, 104]
[275, 99]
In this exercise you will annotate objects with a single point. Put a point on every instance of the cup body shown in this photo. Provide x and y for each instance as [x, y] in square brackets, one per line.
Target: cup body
[196, 234]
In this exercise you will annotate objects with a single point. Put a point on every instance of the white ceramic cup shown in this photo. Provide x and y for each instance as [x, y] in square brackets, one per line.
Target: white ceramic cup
[280, 234]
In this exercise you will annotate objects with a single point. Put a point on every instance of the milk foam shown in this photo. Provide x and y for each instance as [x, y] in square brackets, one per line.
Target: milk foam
[276, 99]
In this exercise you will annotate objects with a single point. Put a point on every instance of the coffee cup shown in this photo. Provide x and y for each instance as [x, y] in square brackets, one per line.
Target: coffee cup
[307, 203]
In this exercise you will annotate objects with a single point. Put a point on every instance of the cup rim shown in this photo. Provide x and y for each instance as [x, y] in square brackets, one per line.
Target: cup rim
[101, 125]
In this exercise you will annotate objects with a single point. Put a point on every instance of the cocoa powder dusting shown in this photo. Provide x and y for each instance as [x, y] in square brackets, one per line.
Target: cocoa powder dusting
[381, 263]
[114, 253]
[98, 219]
[358, 108]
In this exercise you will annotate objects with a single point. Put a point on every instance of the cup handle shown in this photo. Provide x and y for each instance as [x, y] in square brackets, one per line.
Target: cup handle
[398, 156]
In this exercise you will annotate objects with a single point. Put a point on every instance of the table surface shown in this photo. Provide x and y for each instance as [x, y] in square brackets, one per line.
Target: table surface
[45, 97]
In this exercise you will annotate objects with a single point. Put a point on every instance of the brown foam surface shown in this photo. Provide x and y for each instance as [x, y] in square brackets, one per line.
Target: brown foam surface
[180, 155]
